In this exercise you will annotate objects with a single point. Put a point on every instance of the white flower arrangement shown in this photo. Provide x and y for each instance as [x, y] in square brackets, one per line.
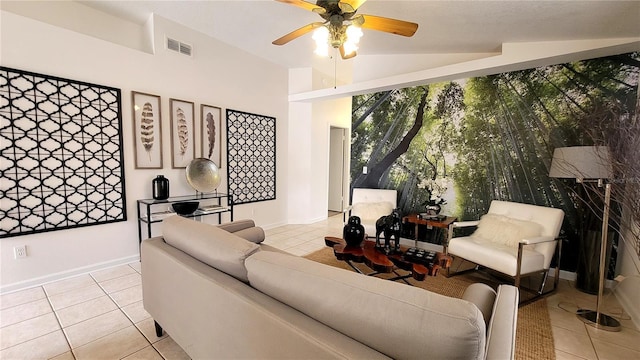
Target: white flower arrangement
[436, 188]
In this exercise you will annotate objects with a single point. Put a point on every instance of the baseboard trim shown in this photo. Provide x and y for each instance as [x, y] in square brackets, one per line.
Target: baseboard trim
[272, 226]
[39, 281]
[564, 275]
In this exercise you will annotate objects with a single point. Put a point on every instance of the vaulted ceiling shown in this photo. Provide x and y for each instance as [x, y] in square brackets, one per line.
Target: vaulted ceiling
[445, 27]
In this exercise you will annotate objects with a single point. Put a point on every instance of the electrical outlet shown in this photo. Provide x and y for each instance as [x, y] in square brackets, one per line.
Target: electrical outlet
[20, 252]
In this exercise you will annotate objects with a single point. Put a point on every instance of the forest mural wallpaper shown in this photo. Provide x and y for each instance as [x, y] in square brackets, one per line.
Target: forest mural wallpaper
[464, 143]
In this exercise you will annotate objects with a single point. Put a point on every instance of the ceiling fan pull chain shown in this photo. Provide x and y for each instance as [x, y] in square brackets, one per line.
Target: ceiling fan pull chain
[335, 68]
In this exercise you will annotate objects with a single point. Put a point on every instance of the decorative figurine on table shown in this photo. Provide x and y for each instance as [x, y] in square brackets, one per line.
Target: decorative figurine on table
[390, 226]
[353, 232]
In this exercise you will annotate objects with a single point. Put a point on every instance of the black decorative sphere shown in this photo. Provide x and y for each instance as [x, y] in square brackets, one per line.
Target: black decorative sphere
[353, 232]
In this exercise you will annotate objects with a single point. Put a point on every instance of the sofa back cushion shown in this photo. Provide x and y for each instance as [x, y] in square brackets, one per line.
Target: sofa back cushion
[245, 229]
[370, 212]
[398, 320]
[237, 225]
[254, 234]
[363, 195]
[550, 219]
[209, 244]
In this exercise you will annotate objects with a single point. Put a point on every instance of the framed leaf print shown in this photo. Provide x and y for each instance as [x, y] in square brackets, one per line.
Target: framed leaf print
[183, 148]
[210, 132]
[147, 130]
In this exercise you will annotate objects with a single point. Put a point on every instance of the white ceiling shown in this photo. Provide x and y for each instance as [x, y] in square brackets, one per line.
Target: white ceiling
[444, 26]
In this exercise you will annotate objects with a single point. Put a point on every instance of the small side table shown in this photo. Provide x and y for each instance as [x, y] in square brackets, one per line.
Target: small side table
[440, 224]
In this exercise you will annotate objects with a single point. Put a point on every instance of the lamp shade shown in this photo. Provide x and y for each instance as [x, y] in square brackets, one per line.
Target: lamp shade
[581, 162]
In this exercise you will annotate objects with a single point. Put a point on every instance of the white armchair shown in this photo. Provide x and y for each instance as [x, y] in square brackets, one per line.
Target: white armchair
[370, 204]
[512, 238]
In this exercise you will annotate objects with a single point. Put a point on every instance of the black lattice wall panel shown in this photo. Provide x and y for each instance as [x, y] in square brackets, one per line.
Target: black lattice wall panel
[251, 157]
[60, 154]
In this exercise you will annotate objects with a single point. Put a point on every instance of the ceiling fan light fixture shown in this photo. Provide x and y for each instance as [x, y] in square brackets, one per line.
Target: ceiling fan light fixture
[341, 28]
[321, 37]
[354, 33]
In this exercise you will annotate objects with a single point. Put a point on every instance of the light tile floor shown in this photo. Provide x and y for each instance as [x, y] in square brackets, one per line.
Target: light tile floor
[100, 315]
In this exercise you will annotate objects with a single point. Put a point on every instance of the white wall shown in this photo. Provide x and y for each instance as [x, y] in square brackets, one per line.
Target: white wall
[309, 125]
[217, 74]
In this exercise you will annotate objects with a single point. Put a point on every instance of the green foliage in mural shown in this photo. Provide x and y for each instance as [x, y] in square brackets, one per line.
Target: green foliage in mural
[492, 137]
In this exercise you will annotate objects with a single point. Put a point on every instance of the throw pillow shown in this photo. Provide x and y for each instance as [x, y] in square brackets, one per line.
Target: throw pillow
[505, 230]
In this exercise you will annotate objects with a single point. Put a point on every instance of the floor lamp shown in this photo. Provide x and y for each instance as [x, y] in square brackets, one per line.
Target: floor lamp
[590, 163]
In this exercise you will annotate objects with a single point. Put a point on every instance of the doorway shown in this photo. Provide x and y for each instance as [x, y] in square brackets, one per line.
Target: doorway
[337, 169]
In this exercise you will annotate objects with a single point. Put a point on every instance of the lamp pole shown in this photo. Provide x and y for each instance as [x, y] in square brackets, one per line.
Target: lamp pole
[596, 318]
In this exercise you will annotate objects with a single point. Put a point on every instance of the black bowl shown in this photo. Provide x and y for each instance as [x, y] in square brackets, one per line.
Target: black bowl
[185, 208]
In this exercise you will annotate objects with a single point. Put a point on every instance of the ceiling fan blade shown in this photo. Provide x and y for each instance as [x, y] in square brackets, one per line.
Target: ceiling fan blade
[305, 5]
[347, 56]
[355, 4]
[297, 33]
[394, 26]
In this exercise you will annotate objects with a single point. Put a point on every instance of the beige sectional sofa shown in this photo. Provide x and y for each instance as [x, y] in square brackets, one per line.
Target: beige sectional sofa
[220, 294]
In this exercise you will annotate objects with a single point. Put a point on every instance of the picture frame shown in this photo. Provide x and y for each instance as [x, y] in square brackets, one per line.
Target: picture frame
[147, 130]
[251, 157]
[210, 119]
[183, 148]
[62, 154]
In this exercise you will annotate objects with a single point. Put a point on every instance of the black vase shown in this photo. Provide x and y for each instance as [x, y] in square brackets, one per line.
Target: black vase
[353, 232]
[160, 188]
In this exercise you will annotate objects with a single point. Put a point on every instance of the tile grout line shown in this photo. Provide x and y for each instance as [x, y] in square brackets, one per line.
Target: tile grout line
[593, 346]
[127, 316]
[119, 308]
[55, 313]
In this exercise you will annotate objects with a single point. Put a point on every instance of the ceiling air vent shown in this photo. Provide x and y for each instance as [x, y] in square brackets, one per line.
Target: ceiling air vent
[178, 46]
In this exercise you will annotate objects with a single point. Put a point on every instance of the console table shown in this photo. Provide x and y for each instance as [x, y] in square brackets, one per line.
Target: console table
[158, 210]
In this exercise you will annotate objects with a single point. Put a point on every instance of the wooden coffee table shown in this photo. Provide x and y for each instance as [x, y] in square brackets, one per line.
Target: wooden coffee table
[384, 264]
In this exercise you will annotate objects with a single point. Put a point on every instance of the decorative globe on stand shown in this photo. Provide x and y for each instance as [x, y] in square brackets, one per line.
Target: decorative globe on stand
[203, 175]
[353, 232]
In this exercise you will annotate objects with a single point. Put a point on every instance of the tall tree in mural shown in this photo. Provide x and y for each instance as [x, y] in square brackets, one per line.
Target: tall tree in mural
[493, 136]
[377, 166]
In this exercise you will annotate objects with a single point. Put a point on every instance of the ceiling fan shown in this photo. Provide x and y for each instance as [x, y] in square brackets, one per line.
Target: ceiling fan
[341, 26]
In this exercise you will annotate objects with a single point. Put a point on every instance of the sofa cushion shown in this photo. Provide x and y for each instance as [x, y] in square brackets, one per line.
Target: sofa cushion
[237, 225]
[505, 230]
[496, 256]
[482, 296]
[501, 332]
[398, 320]
[245, 229]
[254, 234]
[209, 244]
